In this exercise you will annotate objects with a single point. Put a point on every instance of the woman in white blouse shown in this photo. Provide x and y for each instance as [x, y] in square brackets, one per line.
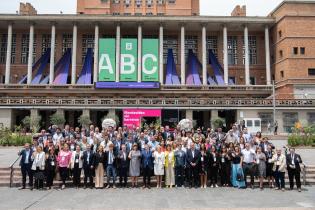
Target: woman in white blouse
[159, 162]
[38, 167]
[76, 164]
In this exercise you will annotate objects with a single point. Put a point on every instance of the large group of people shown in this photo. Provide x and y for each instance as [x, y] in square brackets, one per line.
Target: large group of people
[197, 158]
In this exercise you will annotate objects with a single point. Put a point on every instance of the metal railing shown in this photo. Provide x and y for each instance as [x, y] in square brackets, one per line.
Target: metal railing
[12, 170]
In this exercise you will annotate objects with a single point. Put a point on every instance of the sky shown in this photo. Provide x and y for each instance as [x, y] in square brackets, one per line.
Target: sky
[208, 7]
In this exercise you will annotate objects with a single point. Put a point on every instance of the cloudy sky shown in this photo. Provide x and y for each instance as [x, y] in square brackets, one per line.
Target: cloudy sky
[208, 7]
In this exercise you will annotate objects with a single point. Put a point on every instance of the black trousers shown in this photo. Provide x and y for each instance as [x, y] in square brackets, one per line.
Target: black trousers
[194, 176]
[213, 172]
[279, 177]
[225, 173]
[50, 174]
[88, 174]
[39, 179]
[27, 171]
[123, 176]
[248, 170]
[76, 176]
[179, 175]
[147, 176]
[63, 174]
[293, 173]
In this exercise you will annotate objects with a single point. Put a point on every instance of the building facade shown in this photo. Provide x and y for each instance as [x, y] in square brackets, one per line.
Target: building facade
[238, 58]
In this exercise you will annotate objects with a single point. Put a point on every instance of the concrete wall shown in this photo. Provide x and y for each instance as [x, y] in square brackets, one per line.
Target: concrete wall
[6, 118]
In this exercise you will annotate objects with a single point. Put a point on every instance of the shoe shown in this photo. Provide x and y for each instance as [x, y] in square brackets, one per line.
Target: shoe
[107, 187]
[84, 187]
[205, 186]
[299, 190]
[31, 188]
[63, 186]
[212, 186]
[252, 187]
[283, 189]
[216, 185]
[114, 187]
[148, 187]
[21, 188]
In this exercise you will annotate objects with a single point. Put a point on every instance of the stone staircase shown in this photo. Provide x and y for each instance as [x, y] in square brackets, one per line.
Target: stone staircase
[17, 177]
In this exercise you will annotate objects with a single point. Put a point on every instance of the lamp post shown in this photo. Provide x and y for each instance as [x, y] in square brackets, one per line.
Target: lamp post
[274, 101]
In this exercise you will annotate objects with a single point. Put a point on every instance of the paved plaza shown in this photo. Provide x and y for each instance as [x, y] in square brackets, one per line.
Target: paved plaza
[156, 199]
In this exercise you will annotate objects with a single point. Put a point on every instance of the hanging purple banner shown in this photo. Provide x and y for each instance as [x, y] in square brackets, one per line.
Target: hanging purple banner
[127, 85]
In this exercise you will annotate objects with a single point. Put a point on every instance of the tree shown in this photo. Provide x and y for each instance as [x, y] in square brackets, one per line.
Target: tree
[57, 119]
[32, 122]
[218, 123]
[84, 120]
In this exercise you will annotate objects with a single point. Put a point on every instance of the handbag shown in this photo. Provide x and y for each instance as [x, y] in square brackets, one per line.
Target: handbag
[240, 176]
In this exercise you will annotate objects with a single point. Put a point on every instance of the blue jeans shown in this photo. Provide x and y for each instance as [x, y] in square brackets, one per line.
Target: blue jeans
[111, 172]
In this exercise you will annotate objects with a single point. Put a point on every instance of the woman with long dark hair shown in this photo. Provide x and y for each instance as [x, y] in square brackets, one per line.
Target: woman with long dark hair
[50, 167]
[203, 165]
[225, 167]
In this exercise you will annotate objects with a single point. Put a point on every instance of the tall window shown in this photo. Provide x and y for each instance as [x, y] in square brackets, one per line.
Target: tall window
[25, 48]
[3, 47]
[232, 50]
[289, 120]
[13, 49]
[311, 118]
[191, 43]
[138, 3]
[170, 42]
[212, 44]
[66, 42]
[46, 41]
[266, 117]
[87, 42]
[252, 50]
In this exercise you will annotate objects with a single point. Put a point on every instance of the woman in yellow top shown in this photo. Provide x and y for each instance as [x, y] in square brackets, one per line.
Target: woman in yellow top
[169, 166]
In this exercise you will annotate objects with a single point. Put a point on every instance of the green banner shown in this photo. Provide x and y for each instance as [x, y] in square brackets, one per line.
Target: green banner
[128, 60]
[150, 61]
[107, 60]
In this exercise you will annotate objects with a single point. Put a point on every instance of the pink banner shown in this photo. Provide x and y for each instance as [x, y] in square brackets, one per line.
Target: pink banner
[132, 117]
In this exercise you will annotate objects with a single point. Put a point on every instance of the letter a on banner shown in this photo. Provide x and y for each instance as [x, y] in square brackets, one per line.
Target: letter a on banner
[150, 60]
[128, 60]
[107, 60]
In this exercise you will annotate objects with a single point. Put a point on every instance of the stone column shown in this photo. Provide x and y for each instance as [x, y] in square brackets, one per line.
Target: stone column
[247, 77]
[189, 114]
[52, 55]
[267, 48]
[30, 55]
[182, 55]
[96, 41]
[214, 116]
[161, 35]
[204, 56]
[6, 118]
[117, 52]
[139, 52]
[8, 57]
[225, 56]
[74, 55]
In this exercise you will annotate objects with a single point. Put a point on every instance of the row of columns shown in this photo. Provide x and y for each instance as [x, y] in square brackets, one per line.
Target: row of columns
[161, 66]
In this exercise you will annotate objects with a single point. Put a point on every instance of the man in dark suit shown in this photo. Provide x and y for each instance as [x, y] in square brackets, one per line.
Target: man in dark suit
[123, 165]
[26, 165]
[147, 166]
[88, 168]
[192, 159]
[110, 165]
[264, 144]
[167, 133]
[294, 169]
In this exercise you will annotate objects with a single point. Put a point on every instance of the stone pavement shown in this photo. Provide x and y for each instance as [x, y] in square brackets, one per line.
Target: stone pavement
[157, 199]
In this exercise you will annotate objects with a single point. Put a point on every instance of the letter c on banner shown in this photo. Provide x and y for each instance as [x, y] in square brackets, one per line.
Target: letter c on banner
[144, 68]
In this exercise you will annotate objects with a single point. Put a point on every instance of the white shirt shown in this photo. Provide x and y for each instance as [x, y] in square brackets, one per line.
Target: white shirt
[248, 155]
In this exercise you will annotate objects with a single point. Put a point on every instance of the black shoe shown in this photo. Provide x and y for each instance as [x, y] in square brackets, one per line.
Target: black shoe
[31, 188]
[21, 188]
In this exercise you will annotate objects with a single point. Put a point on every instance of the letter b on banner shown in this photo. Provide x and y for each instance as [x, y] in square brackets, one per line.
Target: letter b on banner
[128, 60]
[150, 61]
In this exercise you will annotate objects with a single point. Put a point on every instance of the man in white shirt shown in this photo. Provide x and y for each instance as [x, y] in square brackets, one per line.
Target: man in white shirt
[248, 159]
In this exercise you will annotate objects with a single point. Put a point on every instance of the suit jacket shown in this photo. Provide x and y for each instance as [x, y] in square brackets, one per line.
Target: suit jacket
[262, 146]
[214, 160]
[99, 159]
[106, 158]
[121, 162]
[170, 134]
[23, 155]
[297, 160]
[281, 161]
[87, 163]
[191, 159]
[147, 159]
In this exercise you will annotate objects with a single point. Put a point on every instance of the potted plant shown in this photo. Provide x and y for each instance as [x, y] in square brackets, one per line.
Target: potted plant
[57, 119]
[84, 120]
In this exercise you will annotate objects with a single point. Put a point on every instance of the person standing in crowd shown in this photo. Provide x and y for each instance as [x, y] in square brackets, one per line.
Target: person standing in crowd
[237, 177]
[88, 167]
[147, 166]
[134, 166]
[225, 167]
[159, 161]
[76, 165]
[214, 161]
[50, 168]
[38, 167]
[63, 159]
[98, 165]
[26, 165]
[110, 165]
[203, 165]
[180, 164]
[123, 165]
[169, 166]
[275, 128]
[269, 166]
[248, 164]
[294, 169]
[279, 161]
[192, 158]
[261, 163]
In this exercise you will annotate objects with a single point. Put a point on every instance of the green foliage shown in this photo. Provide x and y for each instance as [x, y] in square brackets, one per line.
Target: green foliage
[57, 119]
[32, 122]
[218, 123]
[7, 138]
[84, 120]
[302, 136]
[112, 116]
